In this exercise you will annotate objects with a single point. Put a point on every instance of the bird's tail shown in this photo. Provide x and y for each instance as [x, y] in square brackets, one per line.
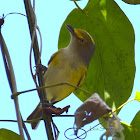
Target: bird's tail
[37, 113]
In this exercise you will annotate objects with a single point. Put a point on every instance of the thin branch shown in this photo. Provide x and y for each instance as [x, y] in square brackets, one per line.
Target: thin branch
[40, 51]
[26, 131]
[40, 88]
[10, 75]
[31, 48]
[36, 120]
[14, 13]
[63, 115]
[42, 94]
[12, 82]
[8, 121]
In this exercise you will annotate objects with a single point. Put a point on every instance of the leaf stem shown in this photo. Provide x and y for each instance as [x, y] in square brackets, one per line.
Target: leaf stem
[128, 125]
[124, 104]
[78, 6]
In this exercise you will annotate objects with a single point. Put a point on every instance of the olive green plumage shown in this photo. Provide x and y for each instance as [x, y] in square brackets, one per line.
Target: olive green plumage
[68, 65]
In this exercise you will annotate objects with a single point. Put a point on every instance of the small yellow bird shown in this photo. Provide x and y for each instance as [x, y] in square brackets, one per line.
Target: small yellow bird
[68, 65]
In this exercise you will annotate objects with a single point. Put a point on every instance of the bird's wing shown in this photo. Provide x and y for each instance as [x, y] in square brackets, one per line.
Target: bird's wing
[82, 79]
[54, 55]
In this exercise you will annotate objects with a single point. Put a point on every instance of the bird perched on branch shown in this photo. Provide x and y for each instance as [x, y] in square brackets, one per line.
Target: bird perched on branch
[68, 65]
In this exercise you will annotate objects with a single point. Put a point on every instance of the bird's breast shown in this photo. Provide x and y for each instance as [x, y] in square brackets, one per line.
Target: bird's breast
[63, 71]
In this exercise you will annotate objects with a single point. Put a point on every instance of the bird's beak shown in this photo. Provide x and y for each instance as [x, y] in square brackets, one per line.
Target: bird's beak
[70, 29]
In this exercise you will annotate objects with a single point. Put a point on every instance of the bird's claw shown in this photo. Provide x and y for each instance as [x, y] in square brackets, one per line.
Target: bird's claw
[41, 68]
[55, 110]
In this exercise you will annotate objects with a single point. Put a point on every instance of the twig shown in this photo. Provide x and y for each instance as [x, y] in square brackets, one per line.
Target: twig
[25, 129]
[41, 88]
[14, 13]
[63, 115]
[8, 121]
[36, 120]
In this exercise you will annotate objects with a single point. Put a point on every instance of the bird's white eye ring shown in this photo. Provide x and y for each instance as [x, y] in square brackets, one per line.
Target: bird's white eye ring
[82, 40]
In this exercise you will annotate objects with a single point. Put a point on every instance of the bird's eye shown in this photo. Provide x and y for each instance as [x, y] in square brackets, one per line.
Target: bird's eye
[82, 40]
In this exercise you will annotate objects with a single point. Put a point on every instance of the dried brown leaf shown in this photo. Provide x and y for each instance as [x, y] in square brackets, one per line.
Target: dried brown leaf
[93, 108]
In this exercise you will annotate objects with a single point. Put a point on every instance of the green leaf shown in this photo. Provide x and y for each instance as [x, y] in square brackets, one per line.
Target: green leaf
[132, 1]
[8, 135]
[128, 133]
[112, 69]
[133, 132]
[136, 126]
[137, 96]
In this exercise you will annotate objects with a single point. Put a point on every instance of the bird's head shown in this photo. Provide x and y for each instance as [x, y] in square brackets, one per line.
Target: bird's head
[82, 42]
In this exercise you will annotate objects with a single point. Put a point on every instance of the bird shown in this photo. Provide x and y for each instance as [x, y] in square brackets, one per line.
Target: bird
[67, 65]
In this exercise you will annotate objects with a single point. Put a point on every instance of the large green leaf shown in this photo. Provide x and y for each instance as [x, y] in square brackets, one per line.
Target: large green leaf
[112, 69]
[6, 134]
[133, 132]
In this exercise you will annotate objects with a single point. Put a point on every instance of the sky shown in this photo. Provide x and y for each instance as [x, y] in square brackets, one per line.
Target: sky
[50, 16]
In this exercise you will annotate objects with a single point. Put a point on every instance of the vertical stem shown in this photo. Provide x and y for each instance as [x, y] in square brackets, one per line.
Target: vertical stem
[31, 22]
[19, 118]
[12, 82]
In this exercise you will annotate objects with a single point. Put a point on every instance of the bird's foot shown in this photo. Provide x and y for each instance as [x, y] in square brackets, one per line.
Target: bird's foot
[41, 68]
[54, 110]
